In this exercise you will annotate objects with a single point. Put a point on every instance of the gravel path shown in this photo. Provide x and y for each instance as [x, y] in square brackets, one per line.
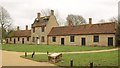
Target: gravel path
[10, 58]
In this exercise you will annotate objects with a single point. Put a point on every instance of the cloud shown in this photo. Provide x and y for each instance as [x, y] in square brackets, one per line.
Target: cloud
[24, 11]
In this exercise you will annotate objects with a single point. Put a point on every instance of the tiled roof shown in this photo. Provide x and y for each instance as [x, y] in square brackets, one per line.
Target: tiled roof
[21, 33]
[101, 28]
[42, 22]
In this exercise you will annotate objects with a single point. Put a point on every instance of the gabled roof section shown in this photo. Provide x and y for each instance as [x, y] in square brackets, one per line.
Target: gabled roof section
[41, 22]
[21, 33]
[101, 28]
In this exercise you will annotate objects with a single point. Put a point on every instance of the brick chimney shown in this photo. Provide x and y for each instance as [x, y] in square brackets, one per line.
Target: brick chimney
[26, 27]
[38, 15]
[90, 20]
[52, 12]
[18, 28]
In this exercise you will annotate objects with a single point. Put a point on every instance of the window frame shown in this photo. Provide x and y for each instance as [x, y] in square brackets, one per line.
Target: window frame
[53, 39]
[96, 38]
[72, 38]
[27, 38]
[42, 39]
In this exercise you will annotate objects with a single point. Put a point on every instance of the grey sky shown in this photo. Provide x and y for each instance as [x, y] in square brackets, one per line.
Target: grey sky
[24, 12]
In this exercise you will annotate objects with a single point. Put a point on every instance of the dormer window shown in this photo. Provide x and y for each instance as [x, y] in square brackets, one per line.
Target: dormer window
[37, 20]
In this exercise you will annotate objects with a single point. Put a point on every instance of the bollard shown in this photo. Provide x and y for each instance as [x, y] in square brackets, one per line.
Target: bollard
[33, 54]
[71, 63]
[91, 65]
[47, 52]
[25, 54]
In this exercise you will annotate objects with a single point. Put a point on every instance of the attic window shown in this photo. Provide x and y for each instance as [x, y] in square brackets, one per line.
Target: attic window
[37, 20]
[45, 19]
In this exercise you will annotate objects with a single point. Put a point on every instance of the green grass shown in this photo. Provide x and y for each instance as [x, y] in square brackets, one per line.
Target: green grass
[99, 59]
[50, 48]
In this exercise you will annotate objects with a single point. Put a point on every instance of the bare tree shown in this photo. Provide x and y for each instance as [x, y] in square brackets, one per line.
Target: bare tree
[102, 20]
[46, 12]
[113, 19]
[75, 19]
[5, 22]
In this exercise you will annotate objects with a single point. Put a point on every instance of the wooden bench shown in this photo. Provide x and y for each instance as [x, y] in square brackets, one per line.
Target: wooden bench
[55, 57]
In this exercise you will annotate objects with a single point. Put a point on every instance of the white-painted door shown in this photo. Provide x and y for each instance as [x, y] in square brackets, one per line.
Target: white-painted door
[38, 41]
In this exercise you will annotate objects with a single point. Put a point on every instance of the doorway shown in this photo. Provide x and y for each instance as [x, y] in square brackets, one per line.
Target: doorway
[22, 40]
[14, 41]
[83, 41]
[38, 40]
[6, 40]
[110, 41]
[62, 41]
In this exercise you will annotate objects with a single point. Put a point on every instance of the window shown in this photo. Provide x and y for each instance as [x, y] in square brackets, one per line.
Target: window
[33, 29]
[10, 39]
[42, 39]
[43, 28]
[33, 39]
[96, 39]
[27, 38]
[54, 39]
[72, 38]
[18, 39]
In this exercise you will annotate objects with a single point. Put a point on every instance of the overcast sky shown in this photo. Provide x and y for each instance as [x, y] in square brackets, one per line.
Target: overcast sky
[23, 12]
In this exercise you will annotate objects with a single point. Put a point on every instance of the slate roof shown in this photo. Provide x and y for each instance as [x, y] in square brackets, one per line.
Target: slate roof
[42, 22]
[21, 33]
[101, 28]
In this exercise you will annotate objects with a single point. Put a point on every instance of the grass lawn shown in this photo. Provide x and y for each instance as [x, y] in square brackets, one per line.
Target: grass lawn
[99, 59]
[50, 48]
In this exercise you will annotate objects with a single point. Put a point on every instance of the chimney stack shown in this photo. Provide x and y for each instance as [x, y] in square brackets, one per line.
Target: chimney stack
[90, 20]
[26, 27]
[38, 15]
[18, 28]
[52, 12]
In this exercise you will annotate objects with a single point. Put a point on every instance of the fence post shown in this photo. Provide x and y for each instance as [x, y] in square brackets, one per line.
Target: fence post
[91, 65]
[71, 63]
[25, 54]
[47, 52]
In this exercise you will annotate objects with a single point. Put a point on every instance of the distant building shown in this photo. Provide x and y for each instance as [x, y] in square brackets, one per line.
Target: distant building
[45, 30]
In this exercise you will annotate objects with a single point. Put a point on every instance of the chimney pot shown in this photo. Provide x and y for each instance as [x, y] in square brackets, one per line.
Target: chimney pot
[26, 27]
[52, 12]
[38, 15]
[18, 28]
[90, 20]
